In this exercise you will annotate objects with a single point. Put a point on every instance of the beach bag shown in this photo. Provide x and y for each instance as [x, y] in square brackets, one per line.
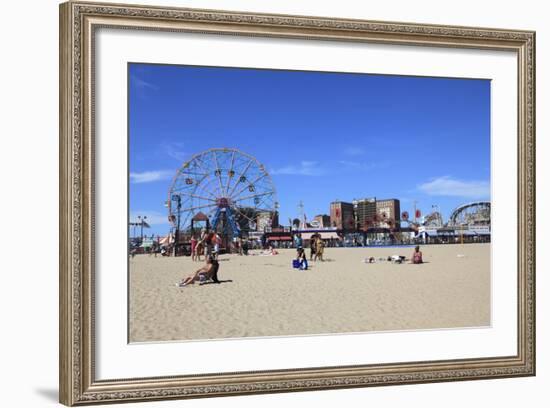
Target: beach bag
[296, 263]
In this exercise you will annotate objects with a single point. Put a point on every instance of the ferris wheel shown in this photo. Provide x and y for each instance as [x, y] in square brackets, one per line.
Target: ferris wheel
[228, 186]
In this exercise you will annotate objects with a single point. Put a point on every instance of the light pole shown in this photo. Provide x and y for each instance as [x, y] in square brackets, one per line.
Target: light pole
[177, 198]
[141, 223]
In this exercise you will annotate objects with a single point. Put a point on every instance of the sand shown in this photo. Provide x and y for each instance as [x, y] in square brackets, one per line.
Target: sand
[266, 297]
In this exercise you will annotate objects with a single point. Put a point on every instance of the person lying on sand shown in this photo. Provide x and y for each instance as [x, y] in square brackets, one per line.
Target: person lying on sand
[396, 259]
[208, 271]
[270, 251]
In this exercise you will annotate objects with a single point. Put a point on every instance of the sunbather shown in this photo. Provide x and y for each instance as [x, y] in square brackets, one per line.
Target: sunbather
[207, 272]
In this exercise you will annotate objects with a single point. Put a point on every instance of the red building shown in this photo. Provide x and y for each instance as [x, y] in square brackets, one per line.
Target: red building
[389, 213]
[342, 216]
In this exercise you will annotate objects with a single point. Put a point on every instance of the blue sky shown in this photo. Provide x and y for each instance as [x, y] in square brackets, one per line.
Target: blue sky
[321, 136]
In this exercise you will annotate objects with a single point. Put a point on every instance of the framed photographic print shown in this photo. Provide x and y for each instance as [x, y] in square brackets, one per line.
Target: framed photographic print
[256, 203]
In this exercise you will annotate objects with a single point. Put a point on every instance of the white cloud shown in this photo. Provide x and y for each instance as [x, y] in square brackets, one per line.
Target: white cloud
[305, 168]
[151, 176]
[353, 165]
[174, 150]
[314, 168]
[354, 151]
[448, 186]
[153, 217]
[141, 84]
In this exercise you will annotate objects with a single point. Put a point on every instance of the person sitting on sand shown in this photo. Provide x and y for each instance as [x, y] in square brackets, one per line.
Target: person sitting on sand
[270, 251]
[208, 271]
[214, 272]
[417, 256]
[302, 259]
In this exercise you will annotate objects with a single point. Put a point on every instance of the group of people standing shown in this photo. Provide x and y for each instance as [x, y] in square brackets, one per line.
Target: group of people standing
[241, 245]
[209, 244]
[317, 248]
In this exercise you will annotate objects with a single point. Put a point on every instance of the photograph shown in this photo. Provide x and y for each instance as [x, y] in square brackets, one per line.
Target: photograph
[267, 202]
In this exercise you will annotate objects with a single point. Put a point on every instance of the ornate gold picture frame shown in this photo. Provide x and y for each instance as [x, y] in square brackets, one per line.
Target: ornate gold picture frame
[78, 24]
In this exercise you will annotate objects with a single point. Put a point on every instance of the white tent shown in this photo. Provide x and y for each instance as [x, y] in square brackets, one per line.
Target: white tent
[167, 240]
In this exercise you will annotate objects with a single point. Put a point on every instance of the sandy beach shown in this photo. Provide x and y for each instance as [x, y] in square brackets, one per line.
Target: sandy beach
[264, 296]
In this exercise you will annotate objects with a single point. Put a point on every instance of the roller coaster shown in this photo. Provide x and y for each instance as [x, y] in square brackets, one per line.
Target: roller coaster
[476, 213]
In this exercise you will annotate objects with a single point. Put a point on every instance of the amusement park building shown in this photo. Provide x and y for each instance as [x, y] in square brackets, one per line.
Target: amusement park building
[247, 215]
[322, 220]
[267, 219]
[365, 211]
[389, 213]
[342, 216]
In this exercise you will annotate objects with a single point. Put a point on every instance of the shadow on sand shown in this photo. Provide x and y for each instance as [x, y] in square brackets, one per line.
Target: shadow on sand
[215, 283]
